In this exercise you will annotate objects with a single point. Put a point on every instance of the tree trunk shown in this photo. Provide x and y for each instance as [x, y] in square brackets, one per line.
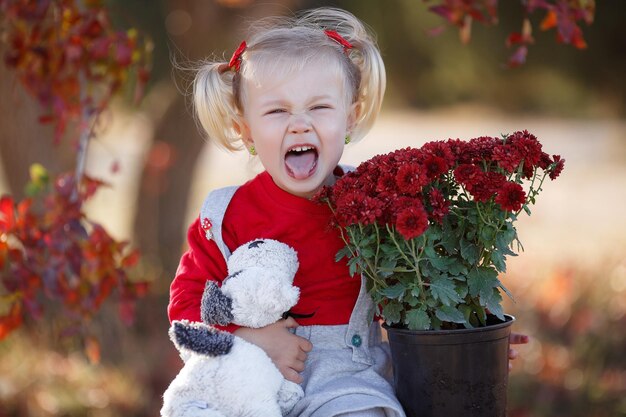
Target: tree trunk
[23, 141]
[203, 28]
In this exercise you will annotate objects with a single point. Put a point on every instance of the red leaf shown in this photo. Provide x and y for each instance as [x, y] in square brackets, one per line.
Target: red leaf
[514, 38]
[519, 57]
[141, 288]
[550, 21]
[7, 214]
[445, 12]
[477, 15]
[123, 54]
[11, 321]
[131, 259]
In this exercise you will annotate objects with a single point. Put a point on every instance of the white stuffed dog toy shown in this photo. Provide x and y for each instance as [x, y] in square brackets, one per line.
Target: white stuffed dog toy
[223, 375]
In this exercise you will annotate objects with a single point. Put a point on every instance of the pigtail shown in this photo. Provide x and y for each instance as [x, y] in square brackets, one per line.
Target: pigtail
[371, 78]
[215, 104]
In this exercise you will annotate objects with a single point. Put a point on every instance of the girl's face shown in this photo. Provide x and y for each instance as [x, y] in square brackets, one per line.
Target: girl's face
[298, 126]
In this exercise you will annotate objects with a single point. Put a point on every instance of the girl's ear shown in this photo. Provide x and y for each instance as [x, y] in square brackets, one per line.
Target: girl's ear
[243, 130]
[353, 115]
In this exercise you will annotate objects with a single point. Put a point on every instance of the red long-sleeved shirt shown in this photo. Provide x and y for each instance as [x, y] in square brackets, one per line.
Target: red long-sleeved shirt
[260, 209]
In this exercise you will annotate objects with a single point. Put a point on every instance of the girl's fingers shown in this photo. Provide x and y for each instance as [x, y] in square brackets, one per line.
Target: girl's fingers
[301, 356]
[512, 353]
[298, 366]
[292, 375]
[518, 339]
[305, 345]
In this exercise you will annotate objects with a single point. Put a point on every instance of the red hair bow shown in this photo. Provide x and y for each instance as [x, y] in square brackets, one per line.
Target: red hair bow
[235, 61]
[339, 39]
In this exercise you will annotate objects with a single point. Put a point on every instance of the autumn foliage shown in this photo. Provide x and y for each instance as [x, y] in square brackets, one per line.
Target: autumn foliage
[49, 250]
[68, 56]
[564, 16]
[55, 263]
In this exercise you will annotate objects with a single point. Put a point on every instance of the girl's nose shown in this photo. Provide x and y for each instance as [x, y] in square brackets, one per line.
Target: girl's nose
[299, 123]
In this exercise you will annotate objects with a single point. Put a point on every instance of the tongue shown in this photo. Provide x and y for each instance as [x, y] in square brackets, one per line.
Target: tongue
[300, 164]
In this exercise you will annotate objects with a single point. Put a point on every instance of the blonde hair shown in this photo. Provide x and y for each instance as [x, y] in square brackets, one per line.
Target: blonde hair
[284, 45]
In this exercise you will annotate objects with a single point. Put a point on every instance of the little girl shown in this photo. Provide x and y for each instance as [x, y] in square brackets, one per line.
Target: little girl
[295, 93]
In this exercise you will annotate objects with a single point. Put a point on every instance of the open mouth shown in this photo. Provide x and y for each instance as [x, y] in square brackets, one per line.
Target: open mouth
[301, 161]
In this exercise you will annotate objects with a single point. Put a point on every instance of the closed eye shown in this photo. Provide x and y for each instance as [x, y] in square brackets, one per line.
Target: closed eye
[321, 107]
[275, 111]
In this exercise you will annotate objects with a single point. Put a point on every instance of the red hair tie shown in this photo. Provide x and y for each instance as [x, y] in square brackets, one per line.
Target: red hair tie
[235, 61]
[339, 39]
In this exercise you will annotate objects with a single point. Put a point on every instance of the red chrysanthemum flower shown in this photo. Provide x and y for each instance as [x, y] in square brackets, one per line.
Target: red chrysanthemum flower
[386, 183]
[435, 166]
[481, 149]
[467, 175]
[349, 206]
[412, 222]
[527, 146]
[440, 207]
[487, 185]
[458, 148]
[507, 157]
[558, 168]
[411, 178]
[511, 196]
[440, 150]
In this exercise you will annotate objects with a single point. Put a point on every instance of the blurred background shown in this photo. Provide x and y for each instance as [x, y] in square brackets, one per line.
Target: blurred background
[569, 283]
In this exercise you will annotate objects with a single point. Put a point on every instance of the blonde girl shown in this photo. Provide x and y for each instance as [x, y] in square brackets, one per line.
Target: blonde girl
[294, 94]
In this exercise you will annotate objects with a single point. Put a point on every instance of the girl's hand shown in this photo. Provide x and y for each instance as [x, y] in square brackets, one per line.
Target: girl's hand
[285, 349]
[516, 339]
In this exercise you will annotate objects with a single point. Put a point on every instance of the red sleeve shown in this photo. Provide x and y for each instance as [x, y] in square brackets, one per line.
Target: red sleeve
[201, 262]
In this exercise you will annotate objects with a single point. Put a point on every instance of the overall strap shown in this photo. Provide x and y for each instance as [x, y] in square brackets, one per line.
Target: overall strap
[212, 213]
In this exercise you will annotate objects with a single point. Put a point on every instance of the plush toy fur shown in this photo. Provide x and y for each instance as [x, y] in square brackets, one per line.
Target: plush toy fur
[223, 375]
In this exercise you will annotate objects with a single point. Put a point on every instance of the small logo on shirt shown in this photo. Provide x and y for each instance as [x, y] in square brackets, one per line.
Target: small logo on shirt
[207, 226]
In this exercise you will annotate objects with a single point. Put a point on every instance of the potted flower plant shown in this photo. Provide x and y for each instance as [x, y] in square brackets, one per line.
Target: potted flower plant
[430, 230]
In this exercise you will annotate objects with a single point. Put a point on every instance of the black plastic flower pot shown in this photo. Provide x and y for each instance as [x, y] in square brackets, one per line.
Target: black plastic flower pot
[450, 373]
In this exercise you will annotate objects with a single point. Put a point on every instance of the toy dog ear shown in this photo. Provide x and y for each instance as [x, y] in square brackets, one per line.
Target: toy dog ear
[200, 338]
[255, 244]
[216, 307]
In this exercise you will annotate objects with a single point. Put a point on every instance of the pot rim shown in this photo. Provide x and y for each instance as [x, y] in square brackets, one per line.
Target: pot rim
[509, 320]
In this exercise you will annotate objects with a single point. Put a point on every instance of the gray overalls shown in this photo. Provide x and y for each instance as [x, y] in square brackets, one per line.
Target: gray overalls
[347, 373]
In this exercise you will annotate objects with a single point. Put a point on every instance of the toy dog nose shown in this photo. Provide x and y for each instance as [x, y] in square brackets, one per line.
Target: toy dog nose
[255, 244]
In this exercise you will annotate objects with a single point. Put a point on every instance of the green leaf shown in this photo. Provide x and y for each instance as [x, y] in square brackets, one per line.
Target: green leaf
[411, 300]
[506, 237]
[493, 303]
[387, 266]
[461, 289]
[488, 233]
[467, 314]
[417, 319]
[469, 252]
[450, 314]
[444, 290]
[499, 260]
[505, 289]
[367, 253]
[343, 253]
[450, 243]
[481, 281]
[415, 291]
[394, 292]
[439, 262]
[392, 312]
[458, 268]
